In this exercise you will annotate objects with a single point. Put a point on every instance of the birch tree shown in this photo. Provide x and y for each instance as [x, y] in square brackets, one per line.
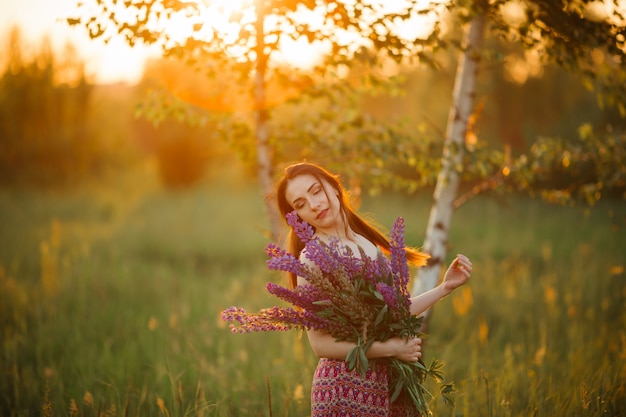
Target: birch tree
[447, 185]
[567, 33]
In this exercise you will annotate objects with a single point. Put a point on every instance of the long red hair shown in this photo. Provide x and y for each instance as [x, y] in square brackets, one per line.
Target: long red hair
[355, 221]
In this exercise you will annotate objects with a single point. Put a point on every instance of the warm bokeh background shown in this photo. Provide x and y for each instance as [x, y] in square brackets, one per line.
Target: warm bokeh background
[121, 240]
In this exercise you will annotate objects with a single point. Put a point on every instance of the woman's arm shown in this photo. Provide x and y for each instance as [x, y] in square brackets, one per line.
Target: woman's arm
[325, 346]
[457, 274]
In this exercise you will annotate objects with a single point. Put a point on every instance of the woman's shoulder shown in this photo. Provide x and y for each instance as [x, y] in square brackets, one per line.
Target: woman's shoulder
[369, 248]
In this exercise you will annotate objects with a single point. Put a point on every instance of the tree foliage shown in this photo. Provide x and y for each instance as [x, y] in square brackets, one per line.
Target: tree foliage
[216, 32]
[578, 38]
[569, 35]
[187, 141]
[587, 37]
[569, 171]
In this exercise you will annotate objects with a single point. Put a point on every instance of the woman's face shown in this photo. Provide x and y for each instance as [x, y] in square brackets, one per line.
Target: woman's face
[315, 201]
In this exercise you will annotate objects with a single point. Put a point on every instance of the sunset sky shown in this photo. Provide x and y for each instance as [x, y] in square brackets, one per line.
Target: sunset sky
[110, 63]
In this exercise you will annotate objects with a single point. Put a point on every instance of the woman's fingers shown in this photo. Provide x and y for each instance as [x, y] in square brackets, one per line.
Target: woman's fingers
[463, 263]
[415, 351]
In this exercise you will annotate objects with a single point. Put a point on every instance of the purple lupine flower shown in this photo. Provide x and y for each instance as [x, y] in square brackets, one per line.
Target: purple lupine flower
[383, 270]
[264, 320]
[398, 259]
[302, 229]
[281, 260]
[233, 314]
[318, 253]
[313, 321]
[389, 295]
[273, 319]
[288, 263]
[303, 296]
[331, 266]
[345, 264]
[311, 294]
[370, 270]
[301, 319]
[275, 251]
[352, 264]
[315, 250]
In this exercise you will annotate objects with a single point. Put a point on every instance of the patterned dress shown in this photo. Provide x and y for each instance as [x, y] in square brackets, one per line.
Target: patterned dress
[337, 392]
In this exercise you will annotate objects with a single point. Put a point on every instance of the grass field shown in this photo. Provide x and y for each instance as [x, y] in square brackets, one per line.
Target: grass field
[110, 299]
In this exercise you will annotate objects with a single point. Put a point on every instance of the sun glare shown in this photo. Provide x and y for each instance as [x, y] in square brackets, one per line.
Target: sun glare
[298, 53]
[225, 17]
[113, 60]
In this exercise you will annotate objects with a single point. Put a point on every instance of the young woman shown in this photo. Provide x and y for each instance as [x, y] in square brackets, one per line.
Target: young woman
[319, 198]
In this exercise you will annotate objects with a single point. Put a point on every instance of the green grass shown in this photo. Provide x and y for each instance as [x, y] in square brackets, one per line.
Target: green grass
[110, 301]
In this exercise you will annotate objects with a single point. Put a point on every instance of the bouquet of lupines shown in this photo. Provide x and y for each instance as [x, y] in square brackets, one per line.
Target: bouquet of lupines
[353, 298]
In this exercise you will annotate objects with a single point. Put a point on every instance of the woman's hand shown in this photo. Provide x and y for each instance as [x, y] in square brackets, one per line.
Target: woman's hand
[406, 349]
[458, 273]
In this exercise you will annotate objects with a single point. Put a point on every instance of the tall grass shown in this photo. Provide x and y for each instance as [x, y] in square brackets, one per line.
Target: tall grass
[110, 301]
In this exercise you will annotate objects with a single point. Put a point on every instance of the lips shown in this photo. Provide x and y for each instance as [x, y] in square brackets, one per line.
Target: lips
[322, 214]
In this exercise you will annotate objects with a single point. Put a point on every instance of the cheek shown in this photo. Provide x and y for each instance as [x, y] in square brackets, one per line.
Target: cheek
[318, 199]
[304, 214]
[333, 199]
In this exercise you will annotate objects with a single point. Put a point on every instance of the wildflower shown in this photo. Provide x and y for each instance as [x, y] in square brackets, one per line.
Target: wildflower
[372, 269]
[284, 262]
[272, 319]
[73, 410]
[303, 296]
[302, 229]
[389, 295]
[398, 259]
[88, 399]
[162, 407]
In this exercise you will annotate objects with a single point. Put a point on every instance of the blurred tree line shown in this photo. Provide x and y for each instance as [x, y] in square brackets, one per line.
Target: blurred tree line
[43, 105]
[51, 118]
[58, 129]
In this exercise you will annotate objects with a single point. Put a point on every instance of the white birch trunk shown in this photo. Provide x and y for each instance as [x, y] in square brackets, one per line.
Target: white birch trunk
[436, 241]
[264, 155]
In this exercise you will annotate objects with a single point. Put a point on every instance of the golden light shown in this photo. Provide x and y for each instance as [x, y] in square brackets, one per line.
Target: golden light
[298, 53]
[514, 13]
[483, 331]
[596, 11]
[114, 60]
[225, 17]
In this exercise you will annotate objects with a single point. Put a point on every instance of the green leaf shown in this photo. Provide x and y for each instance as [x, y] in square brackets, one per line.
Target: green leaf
[435, 370]
[397, 390]
[351, 358]
[381, 315]
[379, 296]
[325, 313]
[363, 361]
[447, 391]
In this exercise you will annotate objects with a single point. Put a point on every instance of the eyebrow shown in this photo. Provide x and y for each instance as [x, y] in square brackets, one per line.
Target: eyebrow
[300, 198]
